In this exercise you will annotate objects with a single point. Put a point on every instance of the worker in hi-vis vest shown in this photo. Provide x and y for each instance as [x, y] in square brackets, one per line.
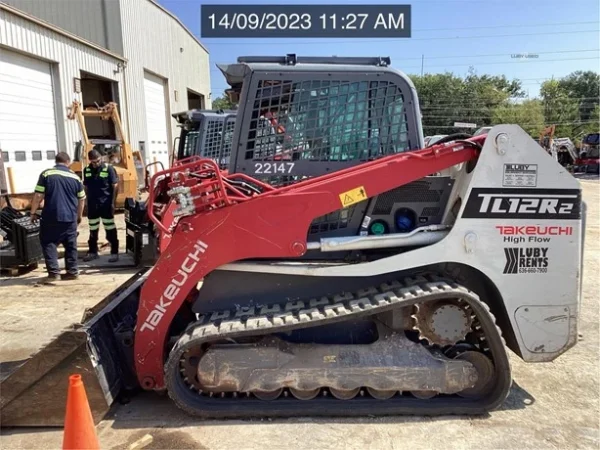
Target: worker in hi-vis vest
[101, 183]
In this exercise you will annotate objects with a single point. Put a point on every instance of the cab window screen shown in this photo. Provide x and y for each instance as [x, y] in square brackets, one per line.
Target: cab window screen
[190, 140]
[327, 121]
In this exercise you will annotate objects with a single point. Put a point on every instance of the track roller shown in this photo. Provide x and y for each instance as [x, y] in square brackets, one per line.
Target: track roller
[304, 395]
[424, 395]
[485, 374]
[342, 394]
[380, 395]
[268, 396]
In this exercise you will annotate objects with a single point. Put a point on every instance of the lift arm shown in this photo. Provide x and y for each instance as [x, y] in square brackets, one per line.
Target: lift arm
[225, 225]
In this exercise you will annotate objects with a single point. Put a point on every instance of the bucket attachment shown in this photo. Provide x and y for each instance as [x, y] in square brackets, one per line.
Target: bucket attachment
[100, 348]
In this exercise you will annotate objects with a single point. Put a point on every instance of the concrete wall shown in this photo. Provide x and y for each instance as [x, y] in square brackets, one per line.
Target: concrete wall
[98, 21]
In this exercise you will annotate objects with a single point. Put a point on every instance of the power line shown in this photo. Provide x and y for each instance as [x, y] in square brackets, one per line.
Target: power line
[445, 38]
[521, 124]
[483, 27]
[457, 101]
[514, 62]
[475, 56]
[453, 98]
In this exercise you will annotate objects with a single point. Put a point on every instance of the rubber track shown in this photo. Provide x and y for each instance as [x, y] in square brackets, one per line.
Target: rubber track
[287, 316]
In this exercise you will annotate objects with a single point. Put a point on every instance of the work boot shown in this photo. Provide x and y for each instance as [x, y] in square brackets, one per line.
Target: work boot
[113, 258]
[69, 276]
[51, 278]
[90, 257]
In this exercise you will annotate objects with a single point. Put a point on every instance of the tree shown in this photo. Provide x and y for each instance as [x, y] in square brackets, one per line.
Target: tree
[584, 86]
[222, 102]
[529, 115]
[447, 98]
[590, 126]
[559, 108]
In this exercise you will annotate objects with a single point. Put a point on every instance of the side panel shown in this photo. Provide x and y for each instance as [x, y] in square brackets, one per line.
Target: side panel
[520, 224]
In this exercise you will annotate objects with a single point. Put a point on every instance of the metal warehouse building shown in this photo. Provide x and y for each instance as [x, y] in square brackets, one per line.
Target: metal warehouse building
[132, 52]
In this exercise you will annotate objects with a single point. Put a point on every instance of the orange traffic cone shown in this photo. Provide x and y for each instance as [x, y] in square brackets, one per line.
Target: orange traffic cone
[80, 433]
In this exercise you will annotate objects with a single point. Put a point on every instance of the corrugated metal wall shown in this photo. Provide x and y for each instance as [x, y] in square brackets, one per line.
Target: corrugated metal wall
[156, 42]
[152, 40]
[97, 21]
[69, 57]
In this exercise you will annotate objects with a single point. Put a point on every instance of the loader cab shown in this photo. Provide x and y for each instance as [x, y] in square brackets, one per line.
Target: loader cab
[299, 121]
[206, 133]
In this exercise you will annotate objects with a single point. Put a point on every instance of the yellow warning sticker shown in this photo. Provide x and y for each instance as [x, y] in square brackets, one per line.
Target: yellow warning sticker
[353, 196]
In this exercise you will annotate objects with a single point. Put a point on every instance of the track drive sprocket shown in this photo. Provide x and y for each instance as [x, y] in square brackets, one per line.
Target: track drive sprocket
[443, 322]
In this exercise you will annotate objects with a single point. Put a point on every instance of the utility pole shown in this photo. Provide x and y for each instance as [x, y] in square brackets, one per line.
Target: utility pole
[422, 63]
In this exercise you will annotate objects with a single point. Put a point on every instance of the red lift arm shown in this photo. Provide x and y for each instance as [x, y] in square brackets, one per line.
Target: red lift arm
[228, 226]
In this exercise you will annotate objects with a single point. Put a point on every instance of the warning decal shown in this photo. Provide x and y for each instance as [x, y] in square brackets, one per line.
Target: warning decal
[353, 196]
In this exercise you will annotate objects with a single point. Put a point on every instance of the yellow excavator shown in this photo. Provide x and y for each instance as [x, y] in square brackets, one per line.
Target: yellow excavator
[128, 164]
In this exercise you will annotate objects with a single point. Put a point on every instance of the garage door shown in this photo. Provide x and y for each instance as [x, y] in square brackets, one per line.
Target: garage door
[157, 148]
[27, 118]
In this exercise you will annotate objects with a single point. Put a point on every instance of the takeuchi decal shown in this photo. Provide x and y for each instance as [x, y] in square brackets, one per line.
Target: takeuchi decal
[532, 233]
[533, 230]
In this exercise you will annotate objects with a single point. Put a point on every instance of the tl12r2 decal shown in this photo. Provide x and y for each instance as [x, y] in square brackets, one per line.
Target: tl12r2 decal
[526, 260]
[515, 203]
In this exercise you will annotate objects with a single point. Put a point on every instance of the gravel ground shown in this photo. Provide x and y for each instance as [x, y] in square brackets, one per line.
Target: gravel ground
[551, 405]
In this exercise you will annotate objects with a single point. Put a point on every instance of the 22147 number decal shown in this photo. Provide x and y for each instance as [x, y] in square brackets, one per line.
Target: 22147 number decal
[273, 168]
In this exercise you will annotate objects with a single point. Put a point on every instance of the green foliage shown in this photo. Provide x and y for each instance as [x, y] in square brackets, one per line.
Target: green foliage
[560, 109]
[447, 98]
[529, 115]
[585, 86]
[222, 103]
[593, 125]
[571, 103]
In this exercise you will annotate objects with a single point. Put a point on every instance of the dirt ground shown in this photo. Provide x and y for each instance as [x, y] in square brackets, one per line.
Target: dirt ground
[31, 314]
[551, 405]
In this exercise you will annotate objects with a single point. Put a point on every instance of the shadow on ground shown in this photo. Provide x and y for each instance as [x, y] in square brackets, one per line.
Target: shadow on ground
[100, 265]
[162, 439]
[587, 176]
[149, 410]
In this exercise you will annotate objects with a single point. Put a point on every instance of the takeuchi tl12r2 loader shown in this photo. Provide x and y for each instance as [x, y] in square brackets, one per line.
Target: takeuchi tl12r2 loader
[336, 268]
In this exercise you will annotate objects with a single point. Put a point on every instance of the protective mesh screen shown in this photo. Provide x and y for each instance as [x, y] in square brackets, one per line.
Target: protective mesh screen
[218, 136]
[325, 121]
[225, 154]
[190, 139]
[212, 137]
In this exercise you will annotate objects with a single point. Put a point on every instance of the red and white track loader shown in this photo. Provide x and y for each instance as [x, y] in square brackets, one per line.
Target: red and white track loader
[335, 268]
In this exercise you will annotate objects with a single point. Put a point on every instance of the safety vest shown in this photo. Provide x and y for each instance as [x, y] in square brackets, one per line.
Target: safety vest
[103, 172]
[99, 184]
